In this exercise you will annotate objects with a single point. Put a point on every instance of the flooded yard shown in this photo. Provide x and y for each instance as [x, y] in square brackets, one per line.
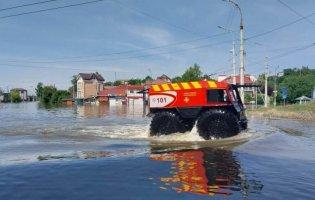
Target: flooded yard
[102, 152]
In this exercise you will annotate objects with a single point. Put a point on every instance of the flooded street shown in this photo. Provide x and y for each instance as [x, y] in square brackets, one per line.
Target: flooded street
[102, 152]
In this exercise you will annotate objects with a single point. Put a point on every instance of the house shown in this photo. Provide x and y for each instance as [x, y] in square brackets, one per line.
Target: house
[123, 94]
[6, 97]
[159, 80]
[1, 96]
[89, 85]
[303, 99]
[248, 80]
[22, 93]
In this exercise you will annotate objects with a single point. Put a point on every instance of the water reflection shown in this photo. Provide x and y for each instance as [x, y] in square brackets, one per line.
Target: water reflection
[206, 171]
[90, 110]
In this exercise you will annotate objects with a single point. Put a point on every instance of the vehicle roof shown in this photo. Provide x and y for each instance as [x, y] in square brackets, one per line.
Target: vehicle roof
[189, 85]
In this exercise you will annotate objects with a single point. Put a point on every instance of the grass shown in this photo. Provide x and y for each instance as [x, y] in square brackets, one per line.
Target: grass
[295, 111]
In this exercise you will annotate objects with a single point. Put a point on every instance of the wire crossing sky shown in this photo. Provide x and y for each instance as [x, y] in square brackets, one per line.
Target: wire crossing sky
[49, 41]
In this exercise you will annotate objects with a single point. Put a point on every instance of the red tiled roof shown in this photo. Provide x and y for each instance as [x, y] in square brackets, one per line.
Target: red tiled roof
[134, 87]
[247, 80]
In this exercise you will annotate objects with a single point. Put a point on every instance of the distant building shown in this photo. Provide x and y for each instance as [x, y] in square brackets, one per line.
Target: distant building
[6, 97]
[248, 80]
[89, 85]
[1, 96]
[22, 92]
[122, 93]
[303, 99]
[159, 80]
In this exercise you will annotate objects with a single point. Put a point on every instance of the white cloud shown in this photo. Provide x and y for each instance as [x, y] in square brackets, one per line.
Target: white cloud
[153, 35]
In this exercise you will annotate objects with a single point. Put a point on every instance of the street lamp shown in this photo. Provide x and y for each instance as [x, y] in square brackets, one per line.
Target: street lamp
[242, 54]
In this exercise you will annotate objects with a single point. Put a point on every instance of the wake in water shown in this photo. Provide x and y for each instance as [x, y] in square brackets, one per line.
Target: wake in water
[141, 132]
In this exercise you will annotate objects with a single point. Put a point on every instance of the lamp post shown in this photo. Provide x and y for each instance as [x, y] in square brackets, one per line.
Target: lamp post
[242, 53]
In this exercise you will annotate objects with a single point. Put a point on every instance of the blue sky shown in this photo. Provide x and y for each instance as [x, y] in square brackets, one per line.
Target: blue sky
[52, 46]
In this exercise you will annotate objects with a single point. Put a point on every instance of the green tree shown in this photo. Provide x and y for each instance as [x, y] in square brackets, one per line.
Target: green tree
[117, 83]
[298, 85]
[261, 82]
[39, 90]
[207, 77]
[15, 96]
[74, 86]
[193, 73]
[58, 96]
[176, 79]
[47, 94]
[108, 83]
[147, 78]
[134, 81]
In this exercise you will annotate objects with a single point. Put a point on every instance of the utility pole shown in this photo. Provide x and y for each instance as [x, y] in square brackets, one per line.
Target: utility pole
[242, 52]
[242, 59]
[115, 78]
[234, 63]
[275, 88]
[266, 83]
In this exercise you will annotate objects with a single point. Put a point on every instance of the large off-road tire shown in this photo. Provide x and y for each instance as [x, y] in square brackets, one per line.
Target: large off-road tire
[188, 124]
[244, 125]
[217, 124]
[167, 122]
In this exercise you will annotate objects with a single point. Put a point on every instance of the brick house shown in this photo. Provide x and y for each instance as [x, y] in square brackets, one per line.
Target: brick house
[89, 85]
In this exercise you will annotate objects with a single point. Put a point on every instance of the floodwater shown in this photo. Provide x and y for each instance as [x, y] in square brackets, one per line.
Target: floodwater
[101, 152]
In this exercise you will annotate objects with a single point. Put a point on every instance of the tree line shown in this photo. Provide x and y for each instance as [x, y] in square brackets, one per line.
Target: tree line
[298, 81]
[193, 73]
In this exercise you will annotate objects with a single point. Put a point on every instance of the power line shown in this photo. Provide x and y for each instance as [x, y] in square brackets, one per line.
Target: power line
[274, 50]
[29, 4]
[49, 9]
[138, 56]
[129, 51]
[280, 27]
[295, 12]
[204, 46]
[284, 54]
[155, 18]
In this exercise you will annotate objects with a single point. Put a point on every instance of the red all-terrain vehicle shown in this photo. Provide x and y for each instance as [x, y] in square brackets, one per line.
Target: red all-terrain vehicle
[215, 106]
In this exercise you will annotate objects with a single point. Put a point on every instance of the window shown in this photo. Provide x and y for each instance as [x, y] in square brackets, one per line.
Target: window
[216, 96]
[131, 91]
